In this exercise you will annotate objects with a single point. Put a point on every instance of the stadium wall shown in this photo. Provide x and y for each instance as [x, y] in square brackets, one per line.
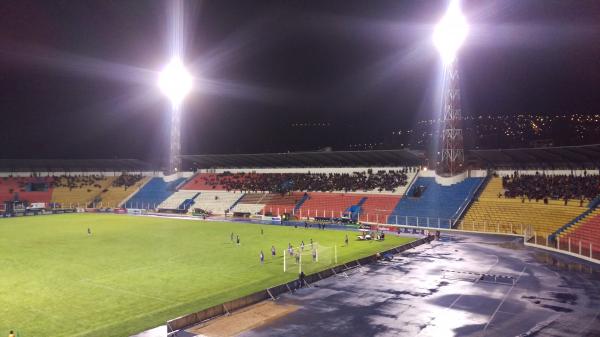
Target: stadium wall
[183, 322]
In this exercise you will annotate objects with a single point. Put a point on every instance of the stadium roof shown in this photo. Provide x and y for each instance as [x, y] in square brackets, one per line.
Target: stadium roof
[308, 159]
[586, 156]
[73, 165]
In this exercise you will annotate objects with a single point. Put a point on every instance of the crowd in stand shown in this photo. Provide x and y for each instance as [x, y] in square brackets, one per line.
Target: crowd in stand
[127, 180]
[79, 181]
[317, 182]
[89, 181]
[544, 187]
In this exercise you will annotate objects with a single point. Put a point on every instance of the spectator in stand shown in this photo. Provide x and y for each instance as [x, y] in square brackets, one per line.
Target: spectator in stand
[323, 182]
[556, 187]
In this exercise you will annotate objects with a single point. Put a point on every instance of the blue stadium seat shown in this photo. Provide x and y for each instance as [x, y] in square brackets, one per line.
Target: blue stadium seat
[436, 202]
[153, 193]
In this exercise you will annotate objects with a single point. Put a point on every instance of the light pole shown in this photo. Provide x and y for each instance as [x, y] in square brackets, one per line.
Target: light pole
[449, 35]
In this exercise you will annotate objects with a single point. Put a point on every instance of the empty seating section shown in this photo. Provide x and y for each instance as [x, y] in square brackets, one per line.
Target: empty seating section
[508, 215]
[217, 202]
[437, 205]
[286, 203]
[378, 207]
[30, 189]
[115, 195]
[153, 193]
[80, 191]
[250, 203]
[177, 199]
[492, 189]
[512, 216]
[328, 204]
[584, 236]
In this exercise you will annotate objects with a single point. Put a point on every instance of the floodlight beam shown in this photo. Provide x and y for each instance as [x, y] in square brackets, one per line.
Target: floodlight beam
[175, 82]
[450, 33]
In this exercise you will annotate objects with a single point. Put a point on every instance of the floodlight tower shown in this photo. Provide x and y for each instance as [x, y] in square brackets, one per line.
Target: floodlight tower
[175, 82]
[448, 36]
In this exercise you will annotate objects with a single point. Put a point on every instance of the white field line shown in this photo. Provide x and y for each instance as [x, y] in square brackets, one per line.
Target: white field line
[503, 299]
[129, 292]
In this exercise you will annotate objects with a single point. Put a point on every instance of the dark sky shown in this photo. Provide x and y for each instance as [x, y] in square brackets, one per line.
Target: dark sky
[77, 78]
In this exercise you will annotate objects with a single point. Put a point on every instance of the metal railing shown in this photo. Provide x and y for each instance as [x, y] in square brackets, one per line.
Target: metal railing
[581, 248]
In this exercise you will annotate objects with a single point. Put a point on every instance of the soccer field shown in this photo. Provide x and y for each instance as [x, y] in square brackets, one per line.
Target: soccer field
[134, 273]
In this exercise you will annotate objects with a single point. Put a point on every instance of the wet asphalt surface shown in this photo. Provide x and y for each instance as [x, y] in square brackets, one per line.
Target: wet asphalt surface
[462, 285]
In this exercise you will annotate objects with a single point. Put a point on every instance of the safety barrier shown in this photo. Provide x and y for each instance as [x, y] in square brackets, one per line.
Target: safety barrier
[583, 249]
[186, 321]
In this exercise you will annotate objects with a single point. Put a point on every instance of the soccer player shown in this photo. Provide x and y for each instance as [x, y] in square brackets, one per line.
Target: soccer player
[262, 257]
[346, 240]
[11, 334]
[302, 245]
[237, 240]
[273, 252]
[297, 256]
[261, 232]
[314, 255]
[231, 237]
[311, 243]
[89, 231]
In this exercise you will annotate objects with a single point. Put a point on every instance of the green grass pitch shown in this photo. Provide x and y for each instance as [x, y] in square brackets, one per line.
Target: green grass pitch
[134, 273]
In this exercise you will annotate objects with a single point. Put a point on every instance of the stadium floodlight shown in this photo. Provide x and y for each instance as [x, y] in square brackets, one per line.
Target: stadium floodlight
[450, 32]
[175, 82]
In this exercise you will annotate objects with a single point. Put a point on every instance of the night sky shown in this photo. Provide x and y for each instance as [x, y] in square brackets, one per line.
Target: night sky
[77, 78]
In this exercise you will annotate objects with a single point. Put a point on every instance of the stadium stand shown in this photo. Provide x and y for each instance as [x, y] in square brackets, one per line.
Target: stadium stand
[79, 190]
[119, 191]
[204, 182]
[180, 200]
[328, 205]
[29, 189]
[357, 181]
[217, 202]
[542, 186]
[284, 203]
[584, 233]
[428, 201]
[491, 213]
[250, 203]
[378, 207]
[153, 193]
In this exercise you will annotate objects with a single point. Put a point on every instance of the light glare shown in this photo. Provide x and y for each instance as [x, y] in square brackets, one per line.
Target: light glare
[175, 82]
[450, 33]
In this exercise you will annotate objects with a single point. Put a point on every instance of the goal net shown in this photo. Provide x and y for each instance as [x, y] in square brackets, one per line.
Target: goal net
[309, 259]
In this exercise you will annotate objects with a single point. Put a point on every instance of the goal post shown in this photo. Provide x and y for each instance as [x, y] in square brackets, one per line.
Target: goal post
[311, 259]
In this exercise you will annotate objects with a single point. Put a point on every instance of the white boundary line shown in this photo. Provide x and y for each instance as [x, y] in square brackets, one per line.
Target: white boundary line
[503, 300]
